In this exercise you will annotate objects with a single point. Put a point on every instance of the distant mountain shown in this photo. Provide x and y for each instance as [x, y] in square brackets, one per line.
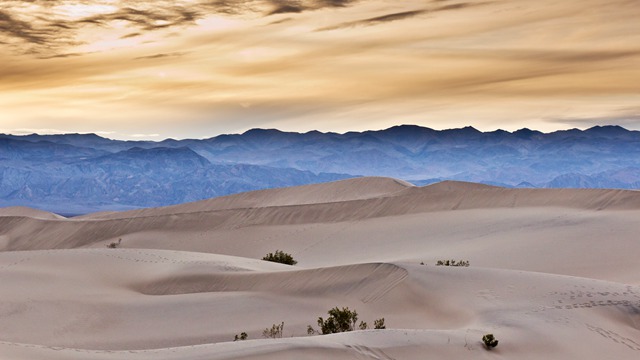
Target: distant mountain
[85, 172]
[137, 177]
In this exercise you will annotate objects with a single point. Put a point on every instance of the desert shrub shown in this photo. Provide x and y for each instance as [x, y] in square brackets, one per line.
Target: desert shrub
[490, 341]
[275, 331]
[463, 263]
[243, 336]
[338, 321]
[113, 245]
[342, 320]
[280, 257]
[311, 330]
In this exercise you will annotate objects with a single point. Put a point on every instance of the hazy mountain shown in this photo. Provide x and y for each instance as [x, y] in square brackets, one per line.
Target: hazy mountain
[135, 177]
[83, 172]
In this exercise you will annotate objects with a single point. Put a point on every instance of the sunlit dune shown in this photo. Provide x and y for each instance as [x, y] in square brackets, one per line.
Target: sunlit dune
[552, 274]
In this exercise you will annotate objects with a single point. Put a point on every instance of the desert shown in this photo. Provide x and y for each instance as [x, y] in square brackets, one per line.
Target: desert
[319, 179]
[552, 274]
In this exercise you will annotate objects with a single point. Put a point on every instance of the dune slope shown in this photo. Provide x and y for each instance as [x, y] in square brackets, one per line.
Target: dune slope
[553, 275]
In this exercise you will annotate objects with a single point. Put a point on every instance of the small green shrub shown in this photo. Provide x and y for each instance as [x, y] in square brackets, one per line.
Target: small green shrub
[490, 341]
[342, 320]
[463, 263]
[379, 324]
[311, 330]
[280, 257]
[275, 331]
[338, 321]
[243, 336]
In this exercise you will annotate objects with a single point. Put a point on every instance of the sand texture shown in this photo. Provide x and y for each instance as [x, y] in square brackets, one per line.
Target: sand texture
[554, 274]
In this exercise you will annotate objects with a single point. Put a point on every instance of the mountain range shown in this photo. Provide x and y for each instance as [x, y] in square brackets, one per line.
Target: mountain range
[79, 173]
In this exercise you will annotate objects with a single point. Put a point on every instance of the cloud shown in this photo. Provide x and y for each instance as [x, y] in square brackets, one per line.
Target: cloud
[285, 9]
[398, 16]
[30, 36]
[160, 56]
[374, 20]
[60, 56]
[13, 27]
[147, 19]
[48, 28]
[298, 6]
[51, 27]
[280, 21]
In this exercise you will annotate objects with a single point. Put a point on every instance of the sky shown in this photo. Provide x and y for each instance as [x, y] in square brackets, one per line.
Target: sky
[198, 68]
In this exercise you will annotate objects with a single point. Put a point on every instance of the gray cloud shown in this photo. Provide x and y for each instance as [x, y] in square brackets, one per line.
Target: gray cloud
[14, 28]
[394, 17]
[284, 20]
[148, 20]
[399, 16]
[230, 7]
[47, 34]
[160, 56]
[60, 56]
[131, 35]
[375, 20]
[286, 8]
[298, 6]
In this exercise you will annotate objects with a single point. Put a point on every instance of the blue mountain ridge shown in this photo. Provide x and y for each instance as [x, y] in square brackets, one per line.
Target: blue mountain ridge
[77, 173]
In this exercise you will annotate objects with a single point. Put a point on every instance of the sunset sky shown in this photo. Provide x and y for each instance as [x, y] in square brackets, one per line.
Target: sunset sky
[194, 68]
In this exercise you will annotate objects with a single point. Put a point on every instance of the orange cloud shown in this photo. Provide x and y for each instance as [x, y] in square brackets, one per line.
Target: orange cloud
[188, 65]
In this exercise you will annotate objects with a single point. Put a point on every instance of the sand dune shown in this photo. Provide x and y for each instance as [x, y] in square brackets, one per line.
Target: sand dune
[107, 307]
[338, 191]
[554, 274]
[241, 211]
[21, 211]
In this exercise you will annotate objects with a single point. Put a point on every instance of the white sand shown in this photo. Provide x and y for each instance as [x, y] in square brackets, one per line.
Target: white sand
[554, 274]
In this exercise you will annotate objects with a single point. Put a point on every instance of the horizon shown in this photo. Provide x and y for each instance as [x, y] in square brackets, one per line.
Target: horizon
[106, 136]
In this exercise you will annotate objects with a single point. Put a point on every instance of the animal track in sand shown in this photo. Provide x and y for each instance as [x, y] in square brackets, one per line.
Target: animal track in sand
[588, 298]
[155, 258]
[15, 263]
[615, 337]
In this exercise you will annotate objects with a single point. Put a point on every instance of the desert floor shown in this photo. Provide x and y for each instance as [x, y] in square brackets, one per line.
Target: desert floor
[554, 274]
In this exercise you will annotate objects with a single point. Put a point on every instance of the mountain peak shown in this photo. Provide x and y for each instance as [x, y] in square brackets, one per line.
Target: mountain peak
[259, 131]
[408, 128]
[465, 131]
[526, 133]
[610, 130]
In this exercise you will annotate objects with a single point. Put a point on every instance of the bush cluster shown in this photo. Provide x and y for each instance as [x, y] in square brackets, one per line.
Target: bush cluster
[464, 263]
[280, 257]
[490, 341]
[243, 336]
[339, 320]
[275, 331]
[342, 320]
